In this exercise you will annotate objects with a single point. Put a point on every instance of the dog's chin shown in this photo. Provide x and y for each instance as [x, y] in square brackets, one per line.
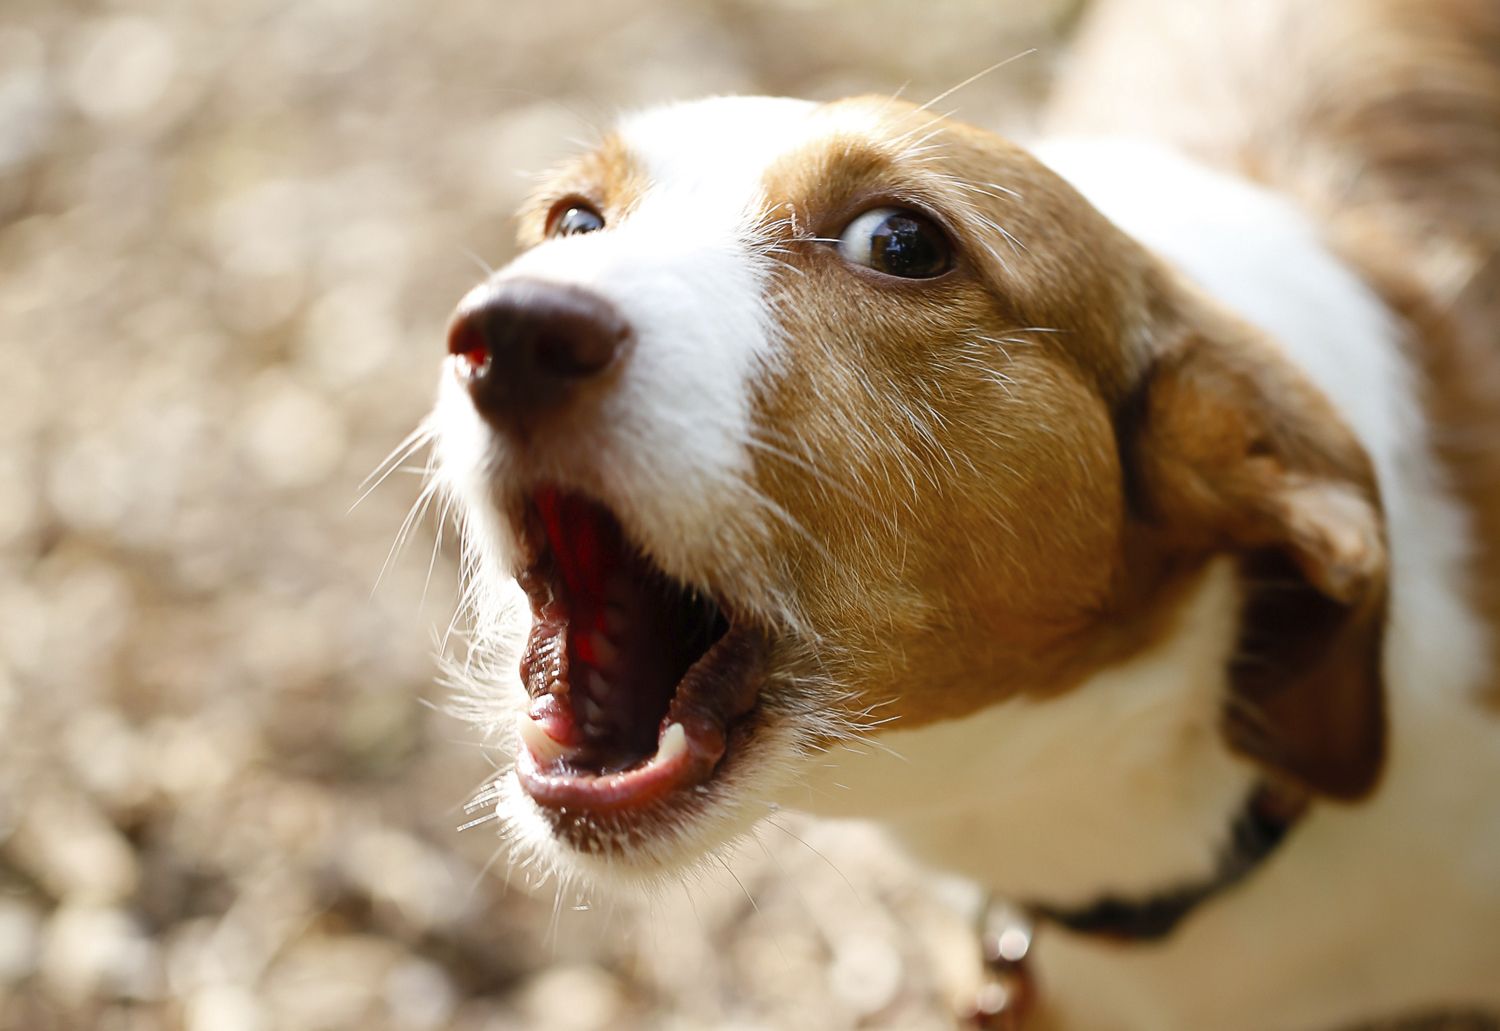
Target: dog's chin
[639, 853]
[652, 721]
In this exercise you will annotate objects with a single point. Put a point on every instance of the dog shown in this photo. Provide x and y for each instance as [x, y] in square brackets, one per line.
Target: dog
[1115, 520]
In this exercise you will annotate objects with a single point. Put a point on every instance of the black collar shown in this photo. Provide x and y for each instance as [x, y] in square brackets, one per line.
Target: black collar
[1260, 826]
[1008, 990]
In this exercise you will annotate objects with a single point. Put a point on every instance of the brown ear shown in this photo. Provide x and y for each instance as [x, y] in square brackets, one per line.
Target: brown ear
[1230, 450]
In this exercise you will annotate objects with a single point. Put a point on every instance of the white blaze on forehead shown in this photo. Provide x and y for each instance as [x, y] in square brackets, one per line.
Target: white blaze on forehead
[707, 159]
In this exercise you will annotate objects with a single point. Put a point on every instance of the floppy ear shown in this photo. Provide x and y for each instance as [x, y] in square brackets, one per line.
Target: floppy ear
[1229, 449]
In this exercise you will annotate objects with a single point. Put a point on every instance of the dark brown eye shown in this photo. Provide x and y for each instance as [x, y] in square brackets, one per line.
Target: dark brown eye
[897, 242]
[573, 218]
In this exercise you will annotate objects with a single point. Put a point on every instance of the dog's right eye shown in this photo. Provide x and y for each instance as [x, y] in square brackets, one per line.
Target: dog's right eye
[573, 217]
[896, 242]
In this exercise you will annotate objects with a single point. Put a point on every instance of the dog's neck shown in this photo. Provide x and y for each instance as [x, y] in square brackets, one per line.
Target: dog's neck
[1133, 761]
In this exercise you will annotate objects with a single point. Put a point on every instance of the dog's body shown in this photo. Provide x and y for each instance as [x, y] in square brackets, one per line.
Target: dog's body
[1117, 520]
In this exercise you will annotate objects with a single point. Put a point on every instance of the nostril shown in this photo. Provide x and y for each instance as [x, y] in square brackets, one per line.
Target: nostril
[522, 347]
[466, 342]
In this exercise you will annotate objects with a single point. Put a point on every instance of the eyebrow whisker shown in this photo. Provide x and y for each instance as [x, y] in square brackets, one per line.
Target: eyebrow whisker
[976, 77]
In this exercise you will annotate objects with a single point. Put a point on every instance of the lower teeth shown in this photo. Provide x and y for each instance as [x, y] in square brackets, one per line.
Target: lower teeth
[541, 744]
[673, 743]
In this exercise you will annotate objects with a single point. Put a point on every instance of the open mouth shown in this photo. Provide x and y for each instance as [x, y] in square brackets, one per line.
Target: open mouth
[638, 684]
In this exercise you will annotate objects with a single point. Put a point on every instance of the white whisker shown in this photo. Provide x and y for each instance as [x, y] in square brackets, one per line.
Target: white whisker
[409, 445]
[976, 77]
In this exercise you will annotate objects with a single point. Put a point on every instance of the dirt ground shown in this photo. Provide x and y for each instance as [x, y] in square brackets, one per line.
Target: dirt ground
[230, 234]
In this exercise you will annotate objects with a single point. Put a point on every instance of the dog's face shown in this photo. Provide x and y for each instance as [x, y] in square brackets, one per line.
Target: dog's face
[796, 422]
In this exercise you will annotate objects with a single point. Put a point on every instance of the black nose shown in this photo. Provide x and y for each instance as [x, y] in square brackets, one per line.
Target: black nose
[523, 347]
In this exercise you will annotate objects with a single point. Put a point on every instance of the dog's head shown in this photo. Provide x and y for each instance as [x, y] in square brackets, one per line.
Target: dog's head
[796, 422]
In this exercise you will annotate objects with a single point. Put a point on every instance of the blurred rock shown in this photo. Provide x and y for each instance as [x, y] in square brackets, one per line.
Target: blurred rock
[20, 933]
[292, 435]
[68, 846]
[108, 758]
[223, 1008]
[352, 330]
[26, 103]
[121, 66]
[865, 975]
[398, 871]
[193, 757]
[329, 982]
[419, 996]
[573, 998]
[91, 951]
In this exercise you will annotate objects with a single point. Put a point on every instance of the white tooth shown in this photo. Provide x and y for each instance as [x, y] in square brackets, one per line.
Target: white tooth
[606, 652]
[593, 712]
[673, 744]
[539, 743]
[598, 685]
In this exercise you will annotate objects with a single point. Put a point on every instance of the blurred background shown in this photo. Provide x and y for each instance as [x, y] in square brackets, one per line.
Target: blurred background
[230, 799]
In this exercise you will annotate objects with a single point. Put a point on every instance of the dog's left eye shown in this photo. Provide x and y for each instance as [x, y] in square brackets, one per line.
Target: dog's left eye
[573, 218]
[897, 242]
